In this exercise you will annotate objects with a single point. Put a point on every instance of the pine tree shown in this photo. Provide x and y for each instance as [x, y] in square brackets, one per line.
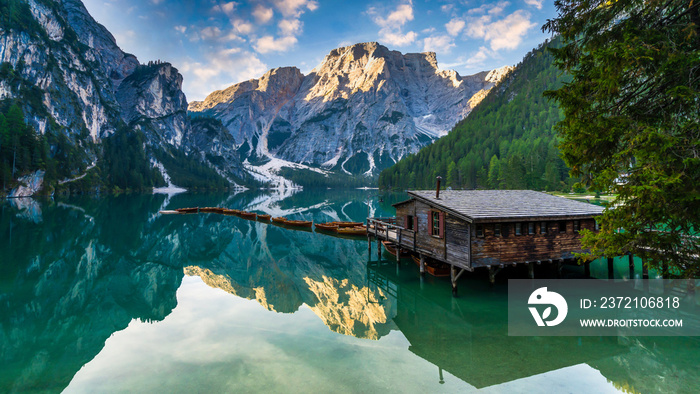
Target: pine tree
[631, 122]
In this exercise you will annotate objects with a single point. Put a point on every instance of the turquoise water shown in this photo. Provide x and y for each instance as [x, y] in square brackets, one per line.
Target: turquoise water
[106, 295]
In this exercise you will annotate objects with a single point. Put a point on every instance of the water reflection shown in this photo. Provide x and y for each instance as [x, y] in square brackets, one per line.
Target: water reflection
[75, 272]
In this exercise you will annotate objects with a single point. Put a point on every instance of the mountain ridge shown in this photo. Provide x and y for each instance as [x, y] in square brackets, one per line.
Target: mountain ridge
[361, 109]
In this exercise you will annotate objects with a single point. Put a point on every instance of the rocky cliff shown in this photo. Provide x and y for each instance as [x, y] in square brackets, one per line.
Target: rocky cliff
[363, 108]
[72, 80]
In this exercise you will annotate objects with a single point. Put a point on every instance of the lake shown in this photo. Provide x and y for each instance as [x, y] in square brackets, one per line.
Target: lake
[107, 295]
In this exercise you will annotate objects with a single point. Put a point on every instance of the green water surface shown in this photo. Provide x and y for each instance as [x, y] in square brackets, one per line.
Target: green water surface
[107, 295]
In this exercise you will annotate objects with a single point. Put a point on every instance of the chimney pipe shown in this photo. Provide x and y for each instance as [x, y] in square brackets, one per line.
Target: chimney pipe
[437, 189]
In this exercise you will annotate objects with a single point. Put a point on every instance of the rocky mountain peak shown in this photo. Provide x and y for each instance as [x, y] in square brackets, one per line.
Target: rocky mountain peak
[281, 80]
[360, 110]
[152, 97]
[497, 74]
[106, 53]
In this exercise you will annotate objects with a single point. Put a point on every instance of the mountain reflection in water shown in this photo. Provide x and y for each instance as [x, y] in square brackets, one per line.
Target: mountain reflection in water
[75, 272]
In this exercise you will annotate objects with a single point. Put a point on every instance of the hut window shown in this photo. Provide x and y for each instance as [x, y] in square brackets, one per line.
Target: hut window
[497, 229]
[562, 227]
[408, 224]
[437, 223]
[479, 230]
[543, 227]
[518, 229]
[577, 226]
[531, 228]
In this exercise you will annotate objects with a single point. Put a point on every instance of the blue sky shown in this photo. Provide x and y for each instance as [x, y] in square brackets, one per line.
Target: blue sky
[218, 43]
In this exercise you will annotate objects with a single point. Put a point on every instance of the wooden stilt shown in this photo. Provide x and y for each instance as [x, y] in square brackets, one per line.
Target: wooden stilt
[422, 265]
[398, 247]
[611, 269]
[453, 279]
[492, 275]
[559, 266]
[631, 264]
[530, 270]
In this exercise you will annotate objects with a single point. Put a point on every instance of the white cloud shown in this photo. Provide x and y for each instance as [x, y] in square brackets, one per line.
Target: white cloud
[490, 8]
[231, 36]
[290, 27]
[294, 8]
[441, 44]
[506, 33]
[262, 14]
[220, 69]
[270, 44]
[479, 57]
[475, 60]
[454, 26]
[535, 3]
[397, 38]
[397, 18]
[226, 8]
[392, 24]
[210, 33]
[242, 26]
[181, 29]
[157, 2]
[447, 8]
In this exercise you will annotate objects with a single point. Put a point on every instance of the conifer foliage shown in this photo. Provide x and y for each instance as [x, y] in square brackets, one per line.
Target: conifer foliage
[21, 149]
[632, 122]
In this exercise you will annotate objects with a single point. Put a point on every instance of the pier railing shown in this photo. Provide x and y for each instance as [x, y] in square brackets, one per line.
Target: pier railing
[388, 229]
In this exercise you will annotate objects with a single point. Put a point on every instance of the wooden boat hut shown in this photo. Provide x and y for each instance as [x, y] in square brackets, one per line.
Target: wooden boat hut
[470, 229]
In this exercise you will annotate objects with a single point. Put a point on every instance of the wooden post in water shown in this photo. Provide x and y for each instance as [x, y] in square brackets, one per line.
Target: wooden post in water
[611, 270]
[559, 266]
[398, 247]
[631, 261]
[422, 265]
[453, 279]
[531, 270]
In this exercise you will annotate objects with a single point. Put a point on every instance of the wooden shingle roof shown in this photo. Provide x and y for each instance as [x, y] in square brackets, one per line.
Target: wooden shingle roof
[491, 205]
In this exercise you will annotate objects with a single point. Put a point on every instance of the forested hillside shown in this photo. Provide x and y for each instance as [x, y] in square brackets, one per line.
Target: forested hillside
[507, 142]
